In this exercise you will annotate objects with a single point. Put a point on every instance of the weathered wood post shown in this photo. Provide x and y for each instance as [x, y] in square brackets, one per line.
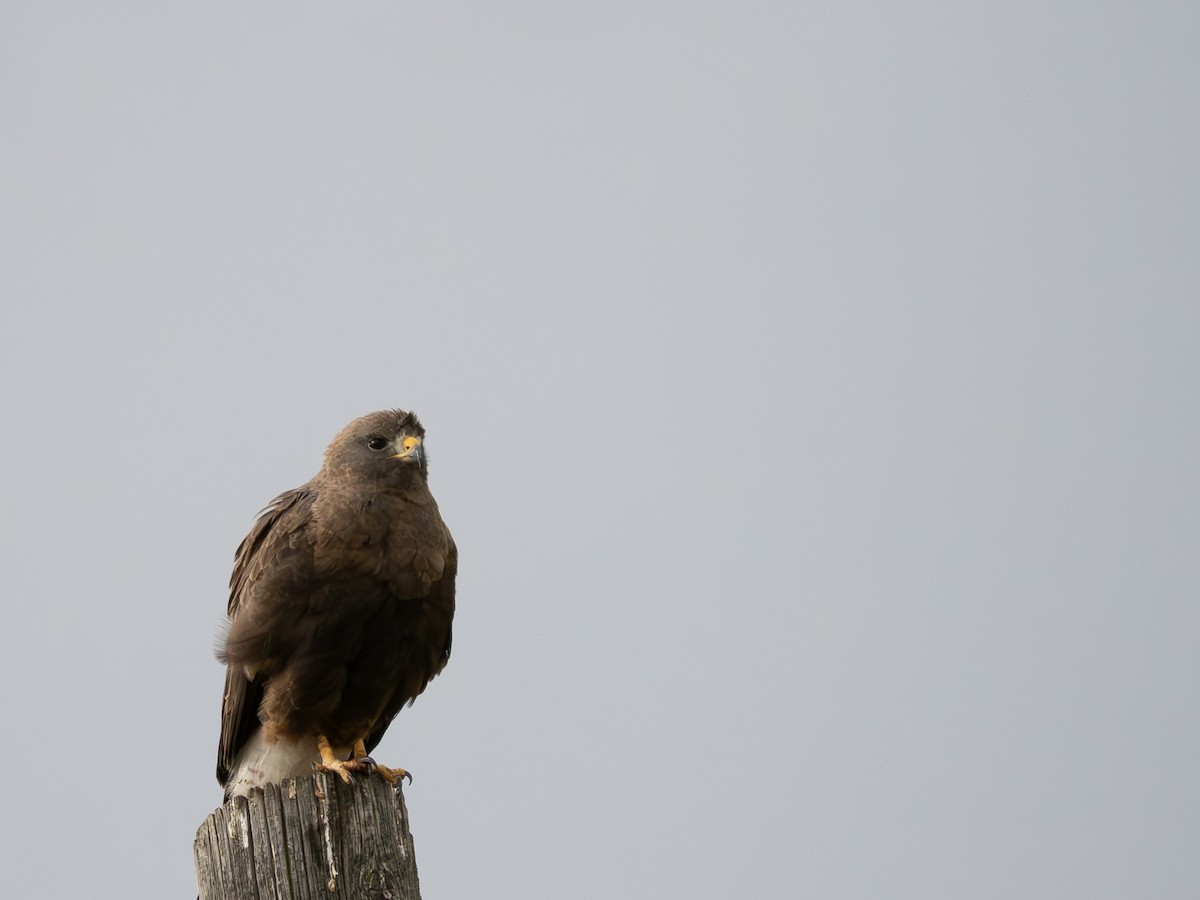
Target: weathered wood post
[309, 838]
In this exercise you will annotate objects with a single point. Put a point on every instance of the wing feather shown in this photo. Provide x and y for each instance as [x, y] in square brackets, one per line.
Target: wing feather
[273, 549]
[437, 614]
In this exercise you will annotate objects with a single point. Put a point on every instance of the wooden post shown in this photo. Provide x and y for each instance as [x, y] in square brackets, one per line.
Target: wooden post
[309, 838]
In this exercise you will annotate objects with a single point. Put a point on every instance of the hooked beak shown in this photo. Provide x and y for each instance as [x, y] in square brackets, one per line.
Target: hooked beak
[409, 450]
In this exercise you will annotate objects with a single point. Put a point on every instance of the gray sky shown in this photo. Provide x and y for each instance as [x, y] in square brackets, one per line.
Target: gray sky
[811, 390]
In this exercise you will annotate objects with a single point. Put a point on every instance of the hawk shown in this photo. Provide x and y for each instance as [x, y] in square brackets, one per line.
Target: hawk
[340, 610]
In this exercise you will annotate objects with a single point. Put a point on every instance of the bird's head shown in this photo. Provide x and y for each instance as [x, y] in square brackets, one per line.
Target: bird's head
[384, 446]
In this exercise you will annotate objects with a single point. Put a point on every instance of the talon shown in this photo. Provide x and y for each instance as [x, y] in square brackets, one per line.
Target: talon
[341, 768]
[393, 776]
[330, 763]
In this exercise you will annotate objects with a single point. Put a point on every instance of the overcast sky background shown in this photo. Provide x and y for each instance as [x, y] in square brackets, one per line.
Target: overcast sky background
[811, 389]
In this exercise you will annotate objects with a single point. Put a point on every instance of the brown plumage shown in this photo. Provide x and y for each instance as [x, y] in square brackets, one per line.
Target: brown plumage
[340, 608]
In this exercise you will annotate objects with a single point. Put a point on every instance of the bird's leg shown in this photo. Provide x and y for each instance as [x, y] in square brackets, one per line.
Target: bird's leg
[329, 761]
[359, 758]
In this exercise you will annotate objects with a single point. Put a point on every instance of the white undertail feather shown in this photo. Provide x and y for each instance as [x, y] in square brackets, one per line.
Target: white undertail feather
[261, 762]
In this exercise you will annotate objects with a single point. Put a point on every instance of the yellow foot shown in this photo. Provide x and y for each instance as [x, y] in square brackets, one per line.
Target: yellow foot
[364, 765]
[368, 765]
[358, 762]
[391, 776]
[342, 767]
[338, 766]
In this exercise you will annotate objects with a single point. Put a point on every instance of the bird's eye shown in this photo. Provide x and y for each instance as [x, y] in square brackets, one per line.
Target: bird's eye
[377, 443]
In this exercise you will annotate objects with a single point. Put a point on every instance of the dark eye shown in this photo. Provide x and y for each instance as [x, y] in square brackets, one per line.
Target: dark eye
[377, 443]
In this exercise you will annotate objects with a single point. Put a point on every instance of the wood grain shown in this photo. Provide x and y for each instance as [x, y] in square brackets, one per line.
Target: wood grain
[309, 838]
